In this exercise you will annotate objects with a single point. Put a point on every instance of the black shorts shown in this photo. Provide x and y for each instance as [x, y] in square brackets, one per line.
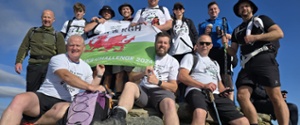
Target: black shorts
[152, 97]
[262, 70]
[226, 108]
[46, 103]
[218, 55]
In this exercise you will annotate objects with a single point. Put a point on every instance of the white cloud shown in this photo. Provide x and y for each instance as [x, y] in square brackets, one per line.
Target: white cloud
[20, 16]
[11, 79]
[6, 91]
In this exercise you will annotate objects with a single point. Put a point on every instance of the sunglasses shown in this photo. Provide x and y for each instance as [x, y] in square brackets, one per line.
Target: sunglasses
[206, 43]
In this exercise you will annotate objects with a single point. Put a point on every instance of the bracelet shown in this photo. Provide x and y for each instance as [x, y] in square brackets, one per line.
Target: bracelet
[99, 76]
[159, 83]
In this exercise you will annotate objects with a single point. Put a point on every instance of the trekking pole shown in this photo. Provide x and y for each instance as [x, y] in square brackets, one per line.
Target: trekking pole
[224, 38]
[212, 99]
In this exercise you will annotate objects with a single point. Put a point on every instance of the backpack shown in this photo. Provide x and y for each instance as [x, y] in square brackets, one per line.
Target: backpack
[159, 7]
[87, 108]
[69, 25]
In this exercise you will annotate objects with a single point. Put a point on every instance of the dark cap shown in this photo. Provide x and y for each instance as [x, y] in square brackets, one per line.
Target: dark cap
[236, 7]
[284, 91]
[178, 5]
[124, 5]
[107, 8]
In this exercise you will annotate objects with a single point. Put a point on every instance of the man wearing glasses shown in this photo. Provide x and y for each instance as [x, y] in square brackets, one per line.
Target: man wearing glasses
[206, 76]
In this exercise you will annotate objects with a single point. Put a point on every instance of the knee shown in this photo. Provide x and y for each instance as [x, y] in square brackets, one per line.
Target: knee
[241, 121]
[198, 113]
[168, 104]
[18, 102]
[131, 86]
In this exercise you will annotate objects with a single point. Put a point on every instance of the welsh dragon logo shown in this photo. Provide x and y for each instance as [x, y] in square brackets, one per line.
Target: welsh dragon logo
[113, 42]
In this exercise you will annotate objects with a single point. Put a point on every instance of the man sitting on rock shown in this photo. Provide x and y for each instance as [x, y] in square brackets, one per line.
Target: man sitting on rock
[156, 89]
[206, 77]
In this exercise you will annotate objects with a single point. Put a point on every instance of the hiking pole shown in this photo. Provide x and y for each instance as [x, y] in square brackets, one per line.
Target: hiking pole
[212, 99]
[224, 38]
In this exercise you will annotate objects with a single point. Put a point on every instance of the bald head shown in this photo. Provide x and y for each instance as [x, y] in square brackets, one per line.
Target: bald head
[75, 37]
[48, 18]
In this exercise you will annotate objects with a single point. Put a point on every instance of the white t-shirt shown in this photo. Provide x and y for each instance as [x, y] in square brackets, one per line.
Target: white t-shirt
[181, 31]
[76, 27]
[54, 86]
[150, 13]
[165, 69]
[205, 71]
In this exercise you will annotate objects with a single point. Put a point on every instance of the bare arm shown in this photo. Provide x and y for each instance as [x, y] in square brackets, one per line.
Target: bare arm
[274, 33]
[75, 81]
[170, 85]
[135, 76]
[185, 78]
[232, 50]
[165, 27]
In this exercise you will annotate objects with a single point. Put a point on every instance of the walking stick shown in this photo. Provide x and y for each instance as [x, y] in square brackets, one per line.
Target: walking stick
[212, 99]
[224, 38]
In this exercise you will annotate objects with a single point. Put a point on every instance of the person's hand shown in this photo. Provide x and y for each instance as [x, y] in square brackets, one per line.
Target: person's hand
[226, 92]
[100, 69]
[151, 77]
[208, 29]
[250, 39]
[18, 68]
[94, 88]
[210, 86]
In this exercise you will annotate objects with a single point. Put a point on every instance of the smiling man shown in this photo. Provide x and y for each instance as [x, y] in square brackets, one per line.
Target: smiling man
[42, 43]
[156, 89]
[66, 75]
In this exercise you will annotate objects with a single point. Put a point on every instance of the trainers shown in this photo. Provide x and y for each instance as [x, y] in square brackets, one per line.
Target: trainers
[117, 118]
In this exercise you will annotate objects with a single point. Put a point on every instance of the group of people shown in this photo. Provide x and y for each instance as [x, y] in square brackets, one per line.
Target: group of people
[189, 64]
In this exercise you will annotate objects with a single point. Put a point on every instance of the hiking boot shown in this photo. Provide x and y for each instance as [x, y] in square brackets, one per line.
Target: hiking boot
[117, 117]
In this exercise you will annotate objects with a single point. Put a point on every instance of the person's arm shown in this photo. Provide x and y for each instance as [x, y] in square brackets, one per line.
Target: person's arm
[274, 33]
[164, 27]
[232, 50]
[60, 43]
[22, 52]
[186, 79]
[194, 32]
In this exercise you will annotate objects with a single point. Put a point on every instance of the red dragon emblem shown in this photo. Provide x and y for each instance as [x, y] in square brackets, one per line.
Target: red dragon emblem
[113, 42]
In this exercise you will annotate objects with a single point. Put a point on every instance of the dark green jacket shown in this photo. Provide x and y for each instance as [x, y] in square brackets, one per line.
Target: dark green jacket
[41, 41]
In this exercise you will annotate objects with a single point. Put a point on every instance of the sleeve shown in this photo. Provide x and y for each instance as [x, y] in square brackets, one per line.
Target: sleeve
[24, 47]
[267, 21]
[60, 43]
[167, 14]
[194, 33]
[187, 62]
[174, 70]
[137, 16]
[233, 37]
[64, 28]
[58, 62]
[89, 74]
[229, 28]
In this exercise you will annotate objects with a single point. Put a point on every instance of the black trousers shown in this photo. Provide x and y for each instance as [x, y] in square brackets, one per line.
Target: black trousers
[35, 76]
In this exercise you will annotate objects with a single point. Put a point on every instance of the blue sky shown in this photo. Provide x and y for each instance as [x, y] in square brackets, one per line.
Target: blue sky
[19, 16]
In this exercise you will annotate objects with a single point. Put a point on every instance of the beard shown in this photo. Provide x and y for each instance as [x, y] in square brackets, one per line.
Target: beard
[160, 52]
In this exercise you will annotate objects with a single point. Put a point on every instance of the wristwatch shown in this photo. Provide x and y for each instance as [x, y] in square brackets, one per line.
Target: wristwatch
[159, 82]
